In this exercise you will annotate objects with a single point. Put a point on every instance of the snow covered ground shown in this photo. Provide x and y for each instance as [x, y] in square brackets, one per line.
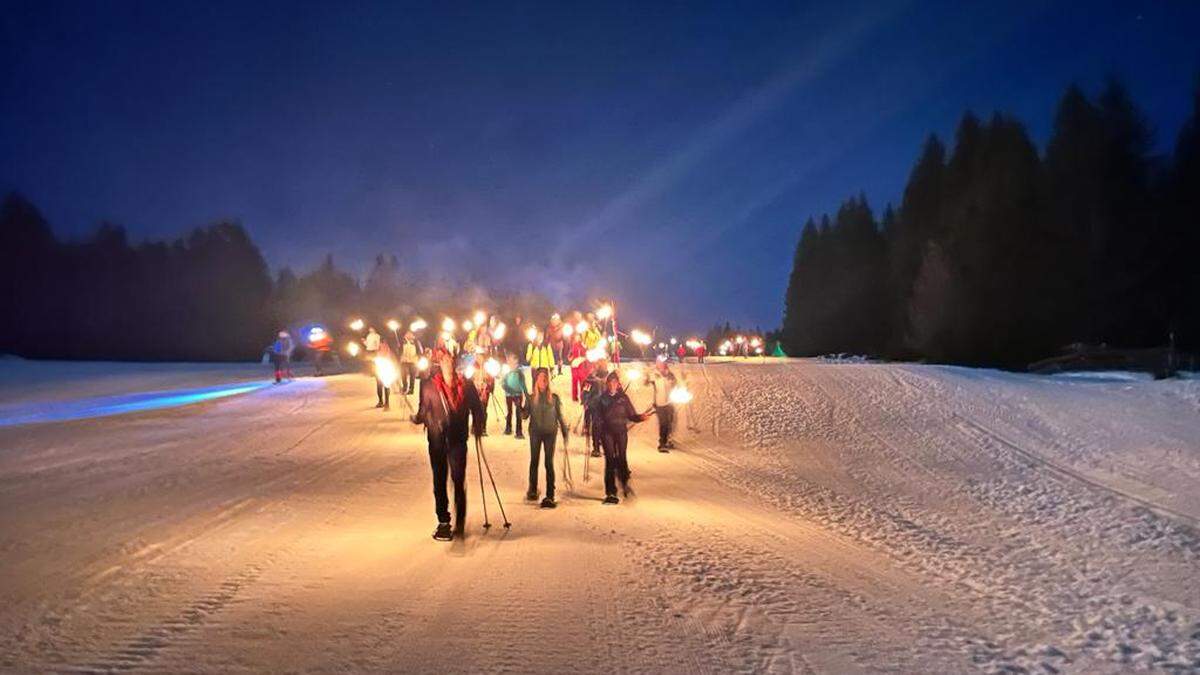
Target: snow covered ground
[817, 517]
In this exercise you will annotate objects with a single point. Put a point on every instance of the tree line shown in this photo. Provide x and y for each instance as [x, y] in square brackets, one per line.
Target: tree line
[207, 296]
[1001, 255]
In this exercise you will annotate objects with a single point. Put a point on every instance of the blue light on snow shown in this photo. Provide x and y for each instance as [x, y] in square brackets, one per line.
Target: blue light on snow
[105, 406]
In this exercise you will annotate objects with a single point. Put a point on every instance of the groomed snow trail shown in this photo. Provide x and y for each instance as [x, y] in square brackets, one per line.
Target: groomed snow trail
[816, 518]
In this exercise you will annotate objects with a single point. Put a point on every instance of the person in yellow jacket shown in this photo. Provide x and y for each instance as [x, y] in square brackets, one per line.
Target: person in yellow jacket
[591, 337]
[539, 354]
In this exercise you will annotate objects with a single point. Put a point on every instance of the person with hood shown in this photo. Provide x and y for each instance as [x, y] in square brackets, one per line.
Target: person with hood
[281, 356]
[449, 403]
[615, 412]
[513, 384]
[581, 368]
[539, 354]
[593, 389]
[543, 409]
[556, 340]
[410, 354]
[663, 381]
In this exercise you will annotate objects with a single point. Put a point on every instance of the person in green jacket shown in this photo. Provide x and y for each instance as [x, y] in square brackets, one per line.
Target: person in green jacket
[544, 411]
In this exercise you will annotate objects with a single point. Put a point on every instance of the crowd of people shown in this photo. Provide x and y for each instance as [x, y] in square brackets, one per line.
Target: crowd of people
[454, 381]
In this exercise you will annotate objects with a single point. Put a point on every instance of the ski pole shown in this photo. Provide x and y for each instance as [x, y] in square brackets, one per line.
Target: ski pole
[482, 494]
[479, 449]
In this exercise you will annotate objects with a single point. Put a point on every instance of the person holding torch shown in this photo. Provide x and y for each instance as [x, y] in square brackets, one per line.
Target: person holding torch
[544, 411]
[449, 403]
[614, 413]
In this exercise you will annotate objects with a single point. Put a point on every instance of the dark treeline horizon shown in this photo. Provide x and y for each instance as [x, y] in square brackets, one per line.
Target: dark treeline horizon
[207, 296]
[1000, 255]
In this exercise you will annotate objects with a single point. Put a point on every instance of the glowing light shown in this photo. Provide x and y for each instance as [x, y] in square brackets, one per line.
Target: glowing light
[680, 395]
[581, 327]
[422, 364]
[674, 342]
[633, 374]
[758, 351]
[692, 344]
[491, 367]
[417, 325]
[596, 353]
[356, 324]
[640, 337]
[480, 318]
[385, 370]
[467, 325]
[498, 331]
[469, 371]
[352, 348]
[604, 312]
[754, 342]
[505, 369]
[393, 325]
[531, 333]
[316, 333]
[448, 325]
[568, 331]
[662, 345]
[740, 339]
[447, 337]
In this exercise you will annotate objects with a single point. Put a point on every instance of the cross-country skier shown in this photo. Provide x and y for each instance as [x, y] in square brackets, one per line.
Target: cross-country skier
[515, 391]
[447, 400]
[544, 411]
[410, 353]
[281, 356]
[663, 381]
[383, 390]
[593, 389]
[485, 384]
[554, 338]
[615, 412]
[581, 368]
[539, 354]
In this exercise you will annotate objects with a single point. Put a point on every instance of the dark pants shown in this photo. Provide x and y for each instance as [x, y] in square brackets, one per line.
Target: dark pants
[513, 407]
[616, 465]
[449, 457]
[666, 423]
[383, 392]
[538, 442]
[408, 375]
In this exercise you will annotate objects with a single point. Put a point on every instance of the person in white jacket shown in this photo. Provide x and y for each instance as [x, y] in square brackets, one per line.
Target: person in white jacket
[371, 348]
[663, 381]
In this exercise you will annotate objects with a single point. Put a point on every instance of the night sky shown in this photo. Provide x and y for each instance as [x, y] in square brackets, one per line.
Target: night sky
[661, 153]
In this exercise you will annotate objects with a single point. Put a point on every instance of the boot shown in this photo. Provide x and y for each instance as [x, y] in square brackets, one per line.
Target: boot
[612, 499]
[443, 532]
[379, 405]
[532, 495]
[508, 431]
[549, 503]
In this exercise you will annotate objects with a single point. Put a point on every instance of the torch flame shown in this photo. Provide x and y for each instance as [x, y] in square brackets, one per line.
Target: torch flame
[680, 395]
[417, 325]
[385, 370]
[352, 348]
[356, 324]
[492, 367]
[422, 364]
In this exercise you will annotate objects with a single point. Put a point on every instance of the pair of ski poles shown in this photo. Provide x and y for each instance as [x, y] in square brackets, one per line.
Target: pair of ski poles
[481, 460]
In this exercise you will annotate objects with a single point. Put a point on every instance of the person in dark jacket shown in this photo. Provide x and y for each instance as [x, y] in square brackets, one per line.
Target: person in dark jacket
[593, 389]
[615, 412]
[281, 356]
[543, 408]
[447, 400]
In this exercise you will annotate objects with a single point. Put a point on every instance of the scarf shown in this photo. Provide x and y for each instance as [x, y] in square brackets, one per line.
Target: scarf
[452, 391]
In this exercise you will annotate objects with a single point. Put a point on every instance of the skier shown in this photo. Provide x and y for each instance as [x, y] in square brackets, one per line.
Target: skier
[554, 338]
[701, 351]
[594, 388]
[681, 353]
[544, 411]
[663, 381]
[485, 384]
[539, 354]
[383, 390]
[281, 356]
[614, 412]
[371, 344]
[410, 353]
[514, 395]
[581, 368]
[446, 401]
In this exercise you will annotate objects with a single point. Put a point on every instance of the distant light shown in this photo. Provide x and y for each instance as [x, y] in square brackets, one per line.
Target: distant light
[417, 325]
[448, 325]
[422, 363]
[492, 367]
[531, 333]
[356, 324]
[604, 312]
[393, 325]
[480, 318]
[352, 348]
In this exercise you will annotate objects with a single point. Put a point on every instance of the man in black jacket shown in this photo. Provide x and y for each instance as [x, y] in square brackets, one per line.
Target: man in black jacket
[446, 401]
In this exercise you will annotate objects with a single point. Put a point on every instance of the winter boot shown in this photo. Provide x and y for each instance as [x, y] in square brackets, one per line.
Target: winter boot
[379, 405]
[612, 499]
[595, 453]
[508, 431]
[443, 532]
[549, 503]
[519, 435]
[532, 495]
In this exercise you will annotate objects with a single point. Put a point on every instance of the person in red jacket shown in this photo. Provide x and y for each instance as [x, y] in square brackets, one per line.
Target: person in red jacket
[681, 352]
[581, 368]
[447, 400]
[701, 351]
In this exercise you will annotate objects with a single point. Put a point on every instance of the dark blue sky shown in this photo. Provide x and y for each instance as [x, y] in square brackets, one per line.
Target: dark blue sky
[664, 153]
